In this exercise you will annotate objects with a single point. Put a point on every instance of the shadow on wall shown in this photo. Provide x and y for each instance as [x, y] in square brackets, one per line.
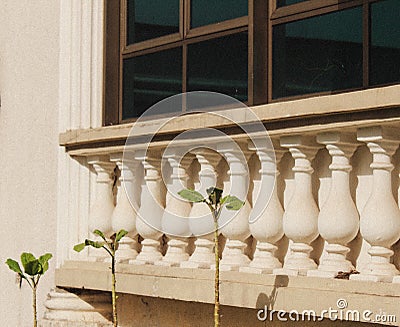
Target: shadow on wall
[268, 301]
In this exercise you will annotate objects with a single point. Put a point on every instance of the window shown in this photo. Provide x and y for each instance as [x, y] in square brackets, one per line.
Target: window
[168, 47]
[384, 43]
[328, 46]
[256, 51]
[317, 54]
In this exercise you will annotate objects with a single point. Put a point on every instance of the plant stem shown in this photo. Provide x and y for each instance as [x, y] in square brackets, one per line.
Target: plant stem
[216, 280]
[34, 306]
[113, 293]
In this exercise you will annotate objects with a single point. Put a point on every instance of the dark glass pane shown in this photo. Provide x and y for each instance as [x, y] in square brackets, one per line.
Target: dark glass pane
[281, 3]
[322, 53]
[150, 19]
[205, 12]
[385, 42]
[150, 78]
[219, 65]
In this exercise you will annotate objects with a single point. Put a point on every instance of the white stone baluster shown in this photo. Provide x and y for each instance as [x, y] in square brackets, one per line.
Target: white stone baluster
[175, 222]
[103, 206]
[148, 220]
[380, 218]
[338, 220]
[124, 215]
[265, 220]
[201, 221]
[300, 220]
[235, 229]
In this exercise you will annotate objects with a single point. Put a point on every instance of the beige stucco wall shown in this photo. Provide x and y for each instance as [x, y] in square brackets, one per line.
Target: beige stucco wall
[29, 51]
[149, 312]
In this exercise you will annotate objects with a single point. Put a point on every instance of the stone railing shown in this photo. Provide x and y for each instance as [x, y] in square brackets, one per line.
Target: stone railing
[333, 208]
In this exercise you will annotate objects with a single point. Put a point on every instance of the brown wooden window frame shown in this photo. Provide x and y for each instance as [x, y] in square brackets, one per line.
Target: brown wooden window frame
[263, 15]
[116, 15]
[313, 8]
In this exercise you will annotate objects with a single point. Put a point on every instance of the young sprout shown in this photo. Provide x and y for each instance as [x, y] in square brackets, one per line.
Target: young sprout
[111, 247]
[215, 203]
[34, 268]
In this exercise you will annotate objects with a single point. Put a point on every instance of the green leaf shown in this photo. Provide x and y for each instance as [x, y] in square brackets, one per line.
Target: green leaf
[214, 195]
[94, 244]
[26, 258]
[120, 235]
[79, 247]
[100, 233]
[14, 266]
[44, 261]
[232, 202]
[33, 268]
[191, 195]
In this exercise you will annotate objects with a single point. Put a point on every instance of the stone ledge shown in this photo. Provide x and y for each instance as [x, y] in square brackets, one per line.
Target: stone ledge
[276, 116]
[237, 289]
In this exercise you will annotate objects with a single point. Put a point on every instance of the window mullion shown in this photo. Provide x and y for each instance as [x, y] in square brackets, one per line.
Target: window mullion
[258, 50]
[366, 41]
[186, 17]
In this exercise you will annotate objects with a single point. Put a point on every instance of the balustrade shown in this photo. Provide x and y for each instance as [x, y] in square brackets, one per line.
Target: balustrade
[234, 224]
[201, 221]
[300, 220]
[338, 220]
[148, 211]
[380, 218]
[102, 207]
[125, 211]
[175, 222]
[148, 222]
[265, 220]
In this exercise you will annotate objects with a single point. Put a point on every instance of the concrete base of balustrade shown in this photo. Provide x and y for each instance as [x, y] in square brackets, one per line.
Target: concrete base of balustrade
[291, 272]
[98, 259]
[227, 267]
[321, 273]
[256, 270]
[233, 267]
[141, 262]
[175, 296]
[119, 260]
[195, 265]
[396, 279]
[164, 263]
[372, 278]
[380, 272]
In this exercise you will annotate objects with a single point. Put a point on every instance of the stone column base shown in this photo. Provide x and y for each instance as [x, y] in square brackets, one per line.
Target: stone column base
[77, 308]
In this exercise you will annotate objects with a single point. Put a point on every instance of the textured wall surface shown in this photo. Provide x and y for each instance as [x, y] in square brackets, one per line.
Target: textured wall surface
[151, 312]
[29, 56]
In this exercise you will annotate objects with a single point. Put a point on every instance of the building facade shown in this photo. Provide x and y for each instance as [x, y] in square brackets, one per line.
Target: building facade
[321, 77]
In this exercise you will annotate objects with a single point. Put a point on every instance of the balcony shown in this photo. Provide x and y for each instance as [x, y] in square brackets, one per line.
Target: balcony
[333, 209]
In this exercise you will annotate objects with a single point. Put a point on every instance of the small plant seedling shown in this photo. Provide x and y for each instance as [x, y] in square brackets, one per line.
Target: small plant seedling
[215, 203]
[111, 246]
[34, 268]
